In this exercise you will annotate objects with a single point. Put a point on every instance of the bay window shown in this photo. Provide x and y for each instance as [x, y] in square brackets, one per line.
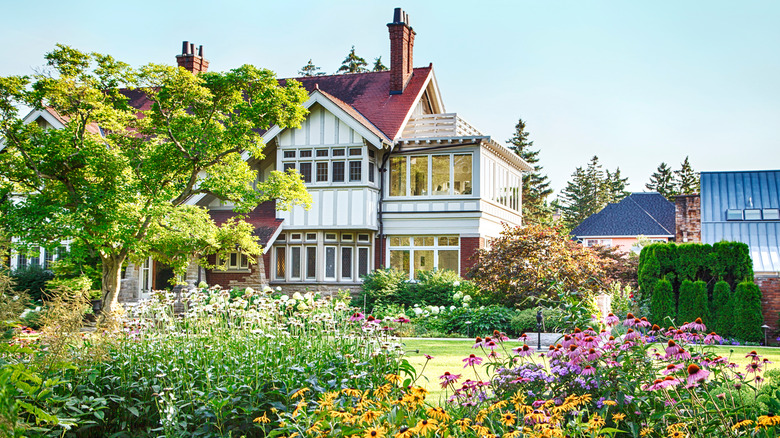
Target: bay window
[431, 175]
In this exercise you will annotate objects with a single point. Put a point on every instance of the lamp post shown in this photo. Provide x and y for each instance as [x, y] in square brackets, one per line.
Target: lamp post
[765, 327]
[539, 319]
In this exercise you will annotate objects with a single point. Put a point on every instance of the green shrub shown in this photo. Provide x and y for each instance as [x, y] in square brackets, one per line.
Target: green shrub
[649, 270]
[32, 280]
[692, 302]
[481, 321]
[383, 286]
[721, 310]
[525, 320]
[747, 313]
[662, 307]
[623, 301]
[730, 261]
[434, 288]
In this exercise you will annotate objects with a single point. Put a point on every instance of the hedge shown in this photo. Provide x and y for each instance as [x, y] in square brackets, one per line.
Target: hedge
[662, 303]
[721, 309]
[747, 312]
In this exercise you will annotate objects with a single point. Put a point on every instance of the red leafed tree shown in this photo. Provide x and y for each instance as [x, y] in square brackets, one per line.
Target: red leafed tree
[532, 262]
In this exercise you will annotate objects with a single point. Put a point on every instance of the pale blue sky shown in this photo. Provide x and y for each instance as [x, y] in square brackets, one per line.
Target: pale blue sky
[635, 83]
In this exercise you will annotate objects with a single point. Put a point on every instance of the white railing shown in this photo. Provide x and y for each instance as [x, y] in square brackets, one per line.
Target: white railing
[439, 125]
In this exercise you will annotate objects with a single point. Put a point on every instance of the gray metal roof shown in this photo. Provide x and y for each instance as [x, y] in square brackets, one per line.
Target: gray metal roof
[721, 191]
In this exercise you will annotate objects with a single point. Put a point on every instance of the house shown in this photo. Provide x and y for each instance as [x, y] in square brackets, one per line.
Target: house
[396, 181]
[622, 224]
[742, 206]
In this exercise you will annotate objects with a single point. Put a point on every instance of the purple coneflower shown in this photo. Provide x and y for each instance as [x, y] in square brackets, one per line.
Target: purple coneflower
[697, 325]
[631, 335]
[643, 322]
[447, 378]
[472, 360]
[696, 374]
[629, 321]
[672, 348]
[524, 351]
[712, 338]
[672, 368]
[753, 367]
[593, 354]
[611, 319]
[401, 320]
[589, 342]
[588, 371]
[357, 316]
[477, 342]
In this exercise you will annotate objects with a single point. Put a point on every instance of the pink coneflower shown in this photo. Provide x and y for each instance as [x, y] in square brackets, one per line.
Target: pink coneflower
[672, 368]
[593, 354]
[655, 328]
[428, 356]
[490, 345]
[611, 319]
[500, 336]
[672, 348]
[753, 367]
[401, 320]
[357, 316]
[522, 337]
[588, 371]
[568, 340]
[697, 325]
[629, 321]
[664, 383]
[643, 322]
[712, 338]
[478, 342]
[682, 354]
[696, 374]
[589, 342]
[631, 335]
[752, 355]
[447, 378]
[555, 352]
[371, 320]
[494, 354]
[472, 360]
[524, 351]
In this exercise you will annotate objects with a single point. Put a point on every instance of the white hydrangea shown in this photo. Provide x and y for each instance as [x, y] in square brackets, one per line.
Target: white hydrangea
[467, 298]
[455, 283]
[417, 310]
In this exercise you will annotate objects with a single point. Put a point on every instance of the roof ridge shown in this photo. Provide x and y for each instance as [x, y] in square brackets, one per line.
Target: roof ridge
[341, 102]
[650, 215]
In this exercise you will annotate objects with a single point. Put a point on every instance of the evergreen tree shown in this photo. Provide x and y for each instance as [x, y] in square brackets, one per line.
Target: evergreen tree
[615, 186]
[584, 195]
[662, 181]
[686, 180]
[662, 303]
[310, 70]
[536, 187]
[722, 311]
[747, 313]
[692, 302]
[353, 63]
[378, 66]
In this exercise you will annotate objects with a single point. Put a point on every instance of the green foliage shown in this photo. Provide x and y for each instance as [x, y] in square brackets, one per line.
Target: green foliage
[731, 262]
[384, 287]
[536, 186]
[32, 280]
[747, 313]
[686, 180]
[590, 190]
[692, 262]
[662, 181]
[481, 321]
[554, 320]
[662, 303]
[649, 271]
[353, 63]
[115, 180]
[435, 288]
[722, 309]
[532, 262]
[310, 70]
[378, 66]
[692, 301]
[623, 300]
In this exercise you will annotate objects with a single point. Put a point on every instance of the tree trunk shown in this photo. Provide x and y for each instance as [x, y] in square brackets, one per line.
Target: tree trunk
[112, 271]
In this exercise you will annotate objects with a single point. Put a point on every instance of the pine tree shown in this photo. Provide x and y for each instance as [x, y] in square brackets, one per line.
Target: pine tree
[584, 195]
[536, 187]
[353, 63]
[378, 66]
[615, 186]
[686, 180]
[310, 70]
[662, 181]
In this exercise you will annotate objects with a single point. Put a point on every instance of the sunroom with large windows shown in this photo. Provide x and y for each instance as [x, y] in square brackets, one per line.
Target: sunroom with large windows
[431, 175]
[412, 254]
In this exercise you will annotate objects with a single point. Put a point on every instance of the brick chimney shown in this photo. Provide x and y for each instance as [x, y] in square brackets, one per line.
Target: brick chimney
[401, 45]
[191, 61]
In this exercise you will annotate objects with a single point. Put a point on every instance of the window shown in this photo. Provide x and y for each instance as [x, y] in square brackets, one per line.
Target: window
[752, 214]
[295, 236]
[21, 261]
[295, 262]
[346, 262]
[419, 175]
[330, 262]
[355, 169]
[306, 154]
[236, 261]
[424, 253]
[338, 171]
[363, 238]
[436, 175]
[363, 261]
[330, 236]
[607, 243]
[289, 154]
[145, 285]
[48, 258]
[306, 172]
[35, 259]
[346, 237]
[771, 214]
[282, 237]
[311, 262]
[322, 152]
[371, 153]
[338, 152]
[322, 172]
[355, 152]
[288, 166]
[397, 176]
[733, 214]
[311, 237]
[280, 262]
[371, 171]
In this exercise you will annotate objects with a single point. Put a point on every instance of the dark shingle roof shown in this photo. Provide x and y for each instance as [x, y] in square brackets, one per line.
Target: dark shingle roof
[648, 214]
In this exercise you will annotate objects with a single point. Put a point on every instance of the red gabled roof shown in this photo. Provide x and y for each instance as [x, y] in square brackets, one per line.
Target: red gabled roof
[369, 94]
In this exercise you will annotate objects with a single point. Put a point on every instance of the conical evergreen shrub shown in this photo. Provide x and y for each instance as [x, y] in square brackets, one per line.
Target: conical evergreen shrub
[662, 303]
[692, 302]
[747, 313]
[722, 310]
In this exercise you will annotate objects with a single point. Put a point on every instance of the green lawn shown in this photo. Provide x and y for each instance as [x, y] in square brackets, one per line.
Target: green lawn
[448, 355]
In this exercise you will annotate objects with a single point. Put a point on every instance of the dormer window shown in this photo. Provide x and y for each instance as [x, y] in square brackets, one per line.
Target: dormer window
[771, 214]
[733, 214]
[752, 214]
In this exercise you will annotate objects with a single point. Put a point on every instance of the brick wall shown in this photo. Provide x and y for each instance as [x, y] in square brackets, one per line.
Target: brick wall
[231, 279]
[468, 248]
[770, 303]
[687, 217]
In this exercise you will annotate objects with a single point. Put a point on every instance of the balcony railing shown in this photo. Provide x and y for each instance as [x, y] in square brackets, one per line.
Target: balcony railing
[438, 126]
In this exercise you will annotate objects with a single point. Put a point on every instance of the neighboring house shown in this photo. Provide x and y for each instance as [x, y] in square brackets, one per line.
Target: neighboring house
[639, 215]
[395, 179]
[742, 206]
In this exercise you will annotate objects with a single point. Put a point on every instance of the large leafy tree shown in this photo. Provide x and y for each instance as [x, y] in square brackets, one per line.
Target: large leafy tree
[662, 181]
[531, 262]
[536, 187]
[353, 63]
[686, 180]
[117, 177]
